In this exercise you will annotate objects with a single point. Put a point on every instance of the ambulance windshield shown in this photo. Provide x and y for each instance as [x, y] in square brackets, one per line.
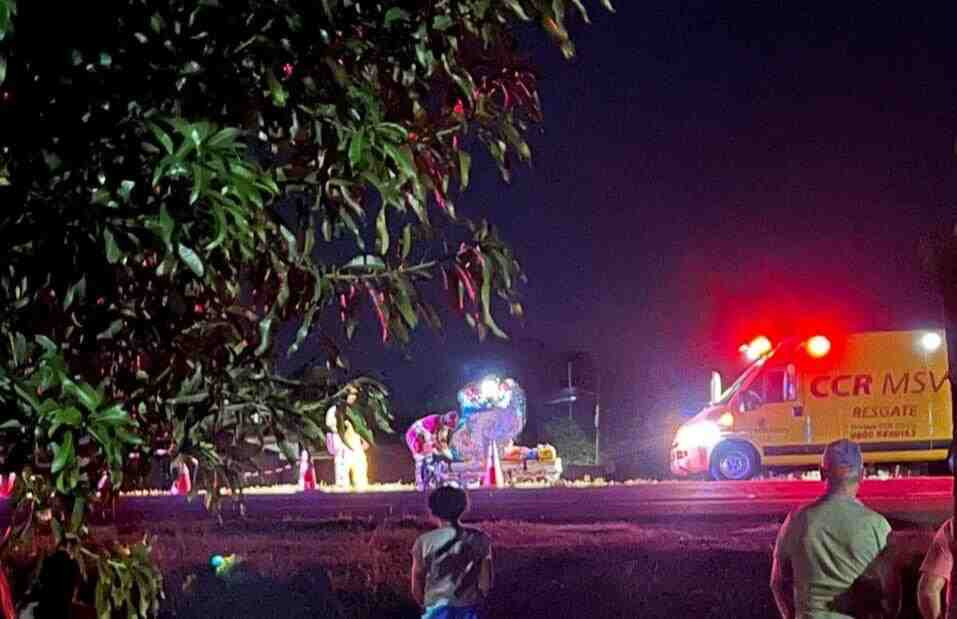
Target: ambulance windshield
[743, 380]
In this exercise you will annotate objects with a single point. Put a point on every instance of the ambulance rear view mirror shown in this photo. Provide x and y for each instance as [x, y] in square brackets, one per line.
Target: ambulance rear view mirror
[790, 383]
[715, 387]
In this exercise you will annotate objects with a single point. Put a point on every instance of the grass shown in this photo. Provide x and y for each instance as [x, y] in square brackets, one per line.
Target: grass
[355, 568]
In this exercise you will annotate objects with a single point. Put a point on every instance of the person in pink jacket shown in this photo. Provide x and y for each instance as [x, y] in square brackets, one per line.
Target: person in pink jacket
[423, 439]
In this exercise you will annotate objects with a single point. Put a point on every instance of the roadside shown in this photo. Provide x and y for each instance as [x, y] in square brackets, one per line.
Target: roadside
[615, 569]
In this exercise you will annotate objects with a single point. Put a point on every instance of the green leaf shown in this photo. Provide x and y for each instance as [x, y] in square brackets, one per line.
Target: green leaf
[57, 529]
[265, 326]
[87, 395]
[162, 136]
[69, 416]
[404, 303]
[356, 145]
[278, 93]
[219, 221]
[125, 188]
[191, 259]
[224, 137]
[382, 231]
[166, 225]
[113, 415]
[516, 6]
[79, 511]
[406, 240]
[486, 297]
[46, 343]
[396, 14]
[63, 453]
[10, 424]
[128, 437]
[110, 332]
[3, 69]
[403, 158]
[113, 251]
[465, 166]
[76, 290]
[365, 261]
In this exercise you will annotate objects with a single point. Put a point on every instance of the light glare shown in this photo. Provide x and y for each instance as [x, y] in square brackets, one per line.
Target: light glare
[758, 347]
[818, 346]
[931, 341]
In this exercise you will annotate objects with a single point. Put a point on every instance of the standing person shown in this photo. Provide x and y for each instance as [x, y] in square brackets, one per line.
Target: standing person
[826, 551]
[934, 596]
[422, 437]
[54, 594]
[348, 450]
[452, 565]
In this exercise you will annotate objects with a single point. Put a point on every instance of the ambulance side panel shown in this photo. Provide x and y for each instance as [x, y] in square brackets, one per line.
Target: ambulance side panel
[883, 391]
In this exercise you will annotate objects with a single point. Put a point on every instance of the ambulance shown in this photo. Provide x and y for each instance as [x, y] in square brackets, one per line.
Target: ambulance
[888, 391]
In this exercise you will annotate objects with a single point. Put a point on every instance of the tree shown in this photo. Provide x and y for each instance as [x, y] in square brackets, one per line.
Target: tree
[571, 442]
[182, 178]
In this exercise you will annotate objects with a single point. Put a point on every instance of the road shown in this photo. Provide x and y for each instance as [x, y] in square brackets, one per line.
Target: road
[908, 502]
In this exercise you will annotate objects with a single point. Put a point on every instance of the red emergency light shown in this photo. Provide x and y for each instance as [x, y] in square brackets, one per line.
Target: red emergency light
[818, 346]
[757, 348]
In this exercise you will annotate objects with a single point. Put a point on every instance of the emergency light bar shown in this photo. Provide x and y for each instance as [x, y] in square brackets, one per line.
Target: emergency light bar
[757, 348]
[818, 346]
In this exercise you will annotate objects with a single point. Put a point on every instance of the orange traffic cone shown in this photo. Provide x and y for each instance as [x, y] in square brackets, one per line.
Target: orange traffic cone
[493, 468]
[307, 472]
[183, 483]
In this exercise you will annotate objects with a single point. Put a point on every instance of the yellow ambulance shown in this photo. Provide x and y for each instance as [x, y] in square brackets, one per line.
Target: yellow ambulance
[886, 390]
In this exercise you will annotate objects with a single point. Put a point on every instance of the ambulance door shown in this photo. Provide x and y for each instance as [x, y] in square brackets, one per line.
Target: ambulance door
[776, 418]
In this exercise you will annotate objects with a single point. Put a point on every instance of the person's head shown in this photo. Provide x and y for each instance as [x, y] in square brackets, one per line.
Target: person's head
[57, 584]
[450, 419]
[842, 466]
[448, 503]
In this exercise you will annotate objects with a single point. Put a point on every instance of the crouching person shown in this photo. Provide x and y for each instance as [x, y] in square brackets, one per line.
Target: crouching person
[831, 558]
[452, 565]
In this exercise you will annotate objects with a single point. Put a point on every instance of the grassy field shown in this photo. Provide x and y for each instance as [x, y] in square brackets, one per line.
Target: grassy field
[353, 568]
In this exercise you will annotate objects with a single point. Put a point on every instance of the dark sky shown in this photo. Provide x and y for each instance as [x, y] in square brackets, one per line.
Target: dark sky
[705, 168]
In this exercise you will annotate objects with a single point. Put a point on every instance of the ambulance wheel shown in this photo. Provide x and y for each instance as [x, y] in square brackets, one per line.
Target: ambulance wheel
[735, 461]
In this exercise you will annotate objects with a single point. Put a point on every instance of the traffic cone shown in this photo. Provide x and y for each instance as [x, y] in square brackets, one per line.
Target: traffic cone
[6, 485]
[499, 476]
[183, 483]
[307, 472]
[493, 468]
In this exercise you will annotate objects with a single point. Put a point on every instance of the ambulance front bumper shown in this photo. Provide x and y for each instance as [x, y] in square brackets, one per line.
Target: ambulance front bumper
[687, 461]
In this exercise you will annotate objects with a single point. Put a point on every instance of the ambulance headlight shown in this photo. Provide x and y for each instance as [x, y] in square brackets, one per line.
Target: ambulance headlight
[700, 434]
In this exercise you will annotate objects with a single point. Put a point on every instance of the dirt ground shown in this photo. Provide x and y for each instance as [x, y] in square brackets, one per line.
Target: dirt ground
[352, 568]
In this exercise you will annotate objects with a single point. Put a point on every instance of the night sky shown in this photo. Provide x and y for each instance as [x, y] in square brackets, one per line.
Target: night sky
[704, 170]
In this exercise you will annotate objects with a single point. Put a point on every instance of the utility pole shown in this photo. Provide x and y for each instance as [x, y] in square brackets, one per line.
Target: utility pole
[597, 418]
[571, 401]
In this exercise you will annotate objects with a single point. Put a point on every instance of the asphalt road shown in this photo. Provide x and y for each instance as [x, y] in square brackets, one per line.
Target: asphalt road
[907, 502]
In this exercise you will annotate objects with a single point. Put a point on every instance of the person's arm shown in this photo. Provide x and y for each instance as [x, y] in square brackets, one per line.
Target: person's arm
[782, 587]
[935, 573]
[883, 572]
[486, 574]
[418, 580]
[929, 591]
[782, 576]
